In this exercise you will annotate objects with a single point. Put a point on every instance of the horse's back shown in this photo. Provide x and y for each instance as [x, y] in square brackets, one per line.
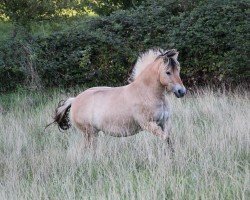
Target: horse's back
[85, 101]
[98, 88]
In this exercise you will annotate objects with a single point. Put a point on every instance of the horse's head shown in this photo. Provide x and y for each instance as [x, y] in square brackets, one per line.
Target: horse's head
[169, 73]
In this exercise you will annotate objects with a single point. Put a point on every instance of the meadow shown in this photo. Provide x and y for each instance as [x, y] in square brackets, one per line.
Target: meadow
[211, 160]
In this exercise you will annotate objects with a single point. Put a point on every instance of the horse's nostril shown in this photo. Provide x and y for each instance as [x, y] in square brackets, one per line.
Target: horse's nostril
[181, 92]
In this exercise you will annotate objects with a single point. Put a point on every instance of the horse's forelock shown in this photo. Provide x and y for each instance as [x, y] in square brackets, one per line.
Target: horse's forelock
[170, 58]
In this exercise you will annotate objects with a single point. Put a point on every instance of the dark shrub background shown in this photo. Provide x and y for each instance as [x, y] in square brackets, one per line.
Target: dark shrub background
[211, 36]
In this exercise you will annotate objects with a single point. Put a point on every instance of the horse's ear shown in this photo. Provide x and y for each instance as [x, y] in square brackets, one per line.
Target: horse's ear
[176, 55]
[173, 53]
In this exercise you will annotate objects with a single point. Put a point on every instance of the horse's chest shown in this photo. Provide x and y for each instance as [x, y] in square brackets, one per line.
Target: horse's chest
[161, 115]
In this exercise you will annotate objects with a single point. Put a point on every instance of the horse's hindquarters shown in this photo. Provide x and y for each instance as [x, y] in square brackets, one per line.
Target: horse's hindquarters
[106, 109]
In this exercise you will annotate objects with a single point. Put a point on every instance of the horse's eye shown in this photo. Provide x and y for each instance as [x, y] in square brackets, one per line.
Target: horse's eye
[168, 73]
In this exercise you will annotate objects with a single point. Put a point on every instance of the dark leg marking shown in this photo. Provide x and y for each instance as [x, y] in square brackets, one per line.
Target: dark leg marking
[170, 145]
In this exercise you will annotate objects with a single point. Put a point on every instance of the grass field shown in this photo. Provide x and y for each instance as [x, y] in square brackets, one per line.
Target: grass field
[211, 161]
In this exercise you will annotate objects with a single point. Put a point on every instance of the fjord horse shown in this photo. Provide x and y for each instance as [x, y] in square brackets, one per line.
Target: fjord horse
[123, 111]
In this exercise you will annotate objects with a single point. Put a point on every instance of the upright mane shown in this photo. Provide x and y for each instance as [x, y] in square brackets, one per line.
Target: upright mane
[149, 57]
[143, 61]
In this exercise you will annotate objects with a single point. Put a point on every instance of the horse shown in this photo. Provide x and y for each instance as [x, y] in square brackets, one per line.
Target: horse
[141, 105]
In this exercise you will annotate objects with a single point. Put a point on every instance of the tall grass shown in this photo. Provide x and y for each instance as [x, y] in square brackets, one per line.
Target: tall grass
[211, 161]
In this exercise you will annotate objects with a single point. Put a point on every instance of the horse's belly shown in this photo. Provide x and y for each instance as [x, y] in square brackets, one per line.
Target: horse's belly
[120, 129]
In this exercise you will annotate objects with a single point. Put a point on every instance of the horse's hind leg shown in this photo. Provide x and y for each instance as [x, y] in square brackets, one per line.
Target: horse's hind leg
[89, 137]
[87, 140]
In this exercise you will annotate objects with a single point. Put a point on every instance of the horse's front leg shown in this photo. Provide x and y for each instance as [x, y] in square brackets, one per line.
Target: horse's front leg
[153, 128]
[167, 130]
[160, 131]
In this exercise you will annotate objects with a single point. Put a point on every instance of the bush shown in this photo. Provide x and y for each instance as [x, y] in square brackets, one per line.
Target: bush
[11, 70]
[214, 42]
[210, 35]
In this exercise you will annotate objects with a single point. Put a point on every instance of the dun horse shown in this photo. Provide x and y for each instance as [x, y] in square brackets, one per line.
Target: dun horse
[124, 111]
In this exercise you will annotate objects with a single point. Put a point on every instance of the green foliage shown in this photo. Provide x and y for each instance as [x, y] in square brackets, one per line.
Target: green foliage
[5, 31]
[106, 7]
[214, 41]
[26, 11]
[211, 36]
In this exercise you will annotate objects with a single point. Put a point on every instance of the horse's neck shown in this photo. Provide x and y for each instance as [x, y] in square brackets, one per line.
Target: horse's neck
[148, 81]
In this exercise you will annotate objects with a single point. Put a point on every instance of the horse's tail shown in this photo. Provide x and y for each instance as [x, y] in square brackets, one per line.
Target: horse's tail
[61, 116]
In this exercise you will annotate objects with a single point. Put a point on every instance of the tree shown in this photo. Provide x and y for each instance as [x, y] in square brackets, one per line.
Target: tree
[106, 7]
[22, 12]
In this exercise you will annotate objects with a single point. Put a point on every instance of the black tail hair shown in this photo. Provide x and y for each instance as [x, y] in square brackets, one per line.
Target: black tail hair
[61, 116]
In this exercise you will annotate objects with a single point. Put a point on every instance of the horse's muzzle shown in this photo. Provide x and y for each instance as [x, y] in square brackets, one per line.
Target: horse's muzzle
[179, 91]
